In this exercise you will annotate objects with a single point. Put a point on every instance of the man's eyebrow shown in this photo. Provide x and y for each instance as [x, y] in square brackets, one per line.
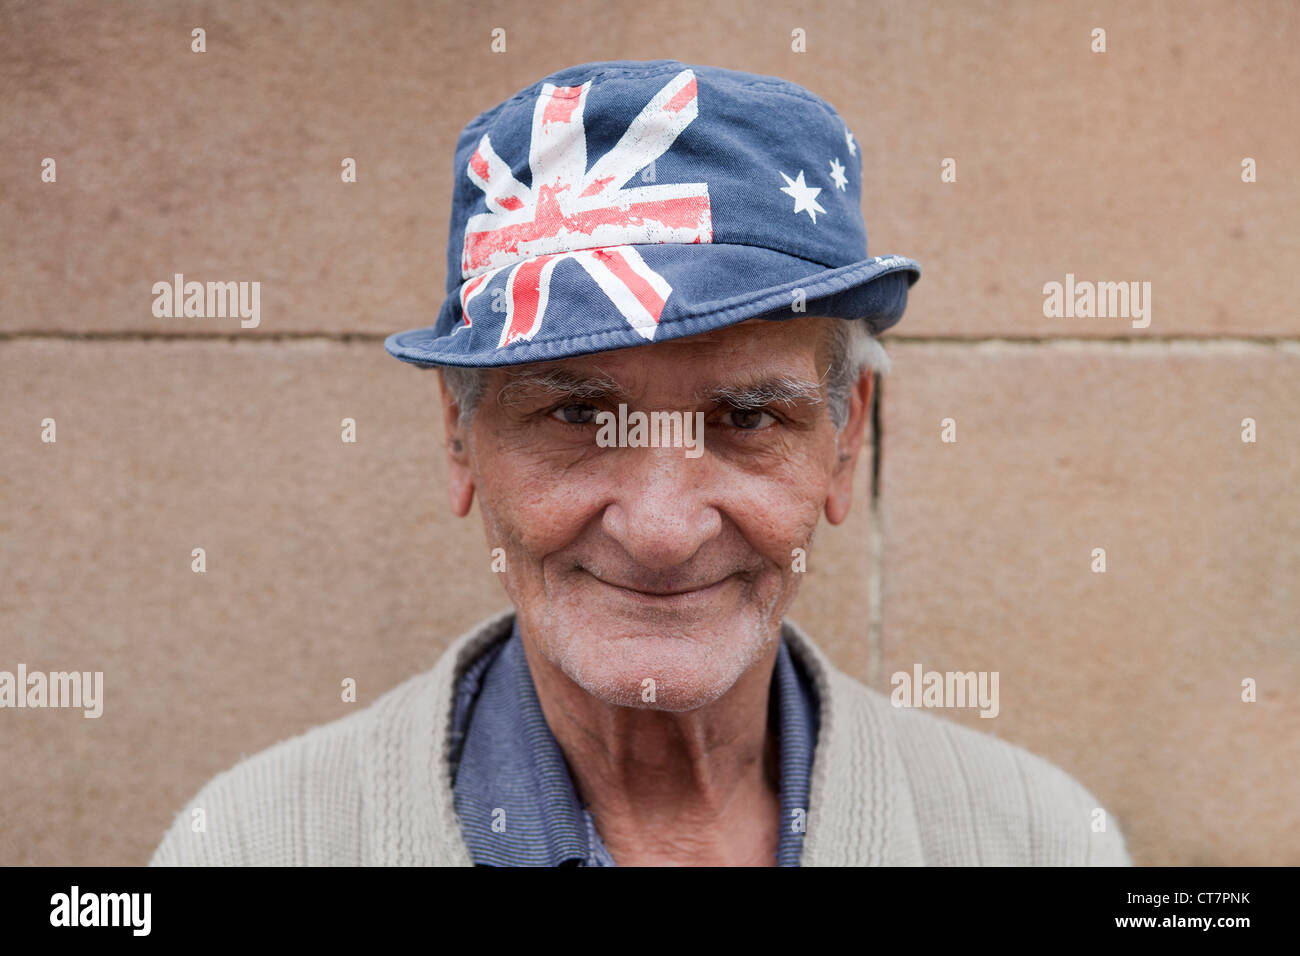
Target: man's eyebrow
[759, 393]
[560, 382]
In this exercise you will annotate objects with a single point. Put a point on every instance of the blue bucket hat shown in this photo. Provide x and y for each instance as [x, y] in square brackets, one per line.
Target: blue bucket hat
[624, 203]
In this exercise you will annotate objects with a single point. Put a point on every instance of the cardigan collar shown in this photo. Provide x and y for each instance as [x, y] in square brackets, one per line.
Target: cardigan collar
[858, 813]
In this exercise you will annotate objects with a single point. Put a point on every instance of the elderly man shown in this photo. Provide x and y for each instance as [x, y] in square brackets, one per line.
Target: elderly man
[687, 248]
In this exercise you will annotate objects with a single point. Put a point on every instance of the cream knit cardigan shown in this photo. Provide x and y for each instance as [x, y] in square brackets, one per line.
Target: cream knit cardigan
[889, 786]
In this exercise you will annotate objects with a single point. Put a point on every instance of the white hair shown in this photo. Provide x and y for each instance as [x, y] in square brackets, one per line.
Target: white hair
[853, 349]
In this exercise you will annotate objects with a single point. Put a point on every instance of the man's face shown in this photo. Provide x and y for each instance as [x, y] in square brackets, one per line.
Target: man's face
[629, 564]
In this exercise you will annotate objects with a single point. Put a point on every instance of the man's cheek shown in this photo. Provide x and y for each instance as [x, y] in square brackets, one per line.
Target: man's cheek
[785, 515]
[528, 527]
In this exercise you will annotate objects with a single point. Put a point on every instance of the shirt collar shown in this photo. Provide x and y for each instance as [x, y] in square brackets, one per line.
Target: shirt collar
[513, 794]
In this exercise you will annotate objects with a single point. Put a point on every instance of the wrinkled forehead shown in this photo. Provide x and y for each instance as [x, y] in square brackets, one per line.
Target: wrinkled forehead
[738, 353]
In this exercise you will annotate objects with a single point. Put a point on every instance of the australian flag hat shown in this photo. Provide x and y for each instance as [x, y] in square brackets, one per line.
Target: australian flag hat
[625, 203]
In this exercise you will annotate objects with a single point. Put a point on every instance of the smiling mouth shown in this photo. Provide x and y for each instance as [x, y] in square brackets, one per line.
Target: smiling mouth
[677, 592]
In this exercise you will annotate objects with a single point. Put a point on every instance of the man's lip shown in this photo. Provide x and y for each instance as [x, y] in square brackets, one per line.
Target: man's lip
[653, 594]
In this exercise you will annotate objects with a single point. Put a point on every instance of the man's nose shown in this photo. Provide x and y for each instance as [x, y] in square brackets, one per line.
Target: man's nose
[661, 513]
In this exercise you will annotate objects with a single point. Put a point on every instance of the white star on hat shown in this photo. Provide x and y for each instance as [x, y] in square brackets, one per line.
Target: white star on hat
[848, 138]
[805, 196]
[837, 174]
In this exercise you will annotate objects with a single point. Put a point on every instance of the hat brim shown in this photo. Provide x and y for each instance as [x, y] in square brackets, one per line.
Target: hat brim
[713, 285]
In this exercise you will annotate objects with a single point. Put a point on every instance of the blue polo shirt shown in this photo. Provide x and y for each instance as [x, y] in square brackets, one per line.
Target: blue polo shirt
[514, 797]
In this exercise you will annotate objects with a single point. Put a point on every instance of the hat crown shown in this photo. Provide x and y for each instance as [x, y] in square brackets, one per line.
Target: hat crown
[622, 153]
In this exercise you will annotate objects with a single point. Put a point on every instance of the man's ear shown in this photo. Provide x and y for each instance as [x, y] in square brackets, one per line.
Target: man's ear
[848, 446]
[460, 472]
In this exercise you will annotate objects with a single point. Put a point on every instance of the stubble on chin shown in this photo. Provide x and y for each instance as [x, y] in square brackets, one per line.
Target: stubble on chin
[679, 669]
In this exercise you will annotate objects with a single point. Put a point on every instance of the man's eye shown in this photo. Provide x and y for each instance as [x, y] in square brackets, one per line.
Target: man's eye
[576, 414]
[750, 419]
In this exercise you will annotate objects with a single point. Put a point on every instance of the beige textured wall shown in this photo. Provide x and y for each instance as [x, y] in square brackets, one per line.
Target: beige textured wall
[328, 560]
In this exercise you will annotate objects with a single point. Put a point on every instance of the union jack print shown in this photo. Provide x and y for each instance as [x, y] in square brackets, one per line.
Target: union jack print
[588, 217]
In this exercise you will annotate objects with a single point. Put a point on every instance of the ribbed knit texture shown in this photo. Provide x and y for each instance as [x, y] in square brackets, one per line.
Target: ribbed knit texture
[890, 786]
